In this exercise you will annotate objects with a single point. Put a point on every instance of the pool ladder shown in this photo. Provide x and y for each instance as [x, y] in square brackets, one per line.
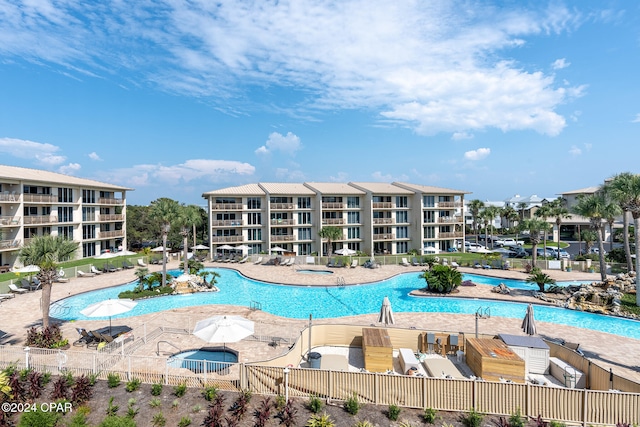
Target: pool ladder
[166, 342]
[255, 305]
[340, 281]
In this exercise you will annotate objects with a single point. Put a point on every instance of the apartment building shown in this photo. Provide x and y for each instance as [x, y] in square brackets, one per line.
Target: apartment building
[379, 218]
[37, 202]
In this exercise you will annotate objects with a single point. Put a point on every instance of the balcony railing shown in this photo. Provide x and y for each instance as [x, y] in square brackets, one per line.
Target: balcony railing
[385, 236]
[111, 217]
[10, 220]
[332, 205]
[226, 206]
[39, 198]
[9, 244]
[384, 220]
[39, 219]
[227, 223]
[110, 201]
[110, 234]
[283, 222]
[450, 219]
[449, 204]
[283, 238]
[281, 206]
[9, 197]
[227, 239]
[332, 221]
[451, 235]
[382, 205]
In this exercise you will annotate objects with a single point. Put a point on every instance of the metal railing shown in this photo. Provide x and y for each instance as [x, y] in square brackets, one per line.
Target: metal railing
[226, 206]
[39, 219]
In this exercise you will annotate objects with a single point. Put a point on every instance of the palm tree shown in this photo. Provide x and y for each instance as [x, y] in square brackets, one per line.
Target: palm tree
[489, 214]
[475, 207]
[46, 252]
[331, 233]
[188, 217]
[624, 189]
[521, 207]
[535, 226]
[612, 211]
[539, 278]
[559, 210]
[543, 213]
[193, 216]
[510, 215]
[594, 207]
[588, 236]
[141, 273]
[164, 211]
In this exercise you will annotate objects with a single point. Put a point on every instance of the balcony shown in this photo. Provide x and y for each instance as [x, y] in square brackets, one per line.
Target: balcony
[382, 205]
[226, 207]
[283, 222]
[452, 235]
[39, 219]
[332, 221]
[39, 198]
[110, 201]
[111, 217]
[10, 220]
[226, 239]
[9, 197]
[227, 223]
[283, 238]
[385, 236]
[449, 204]
[450, 219]
[384, 221]
[332, 205]
[281, 206]
[111, 234]
[9, 244]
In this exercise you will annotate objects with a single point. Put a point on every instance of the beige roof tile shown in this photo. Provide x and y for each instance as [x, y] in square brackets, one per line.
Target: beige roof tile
[333, 188]
[242, 190]
[428, 189]
[48, 177]
[381, 188]
[286, 188]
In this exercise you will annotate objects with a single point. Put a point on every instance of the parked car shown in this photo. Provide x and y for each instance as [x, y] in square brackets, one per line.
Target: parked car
[508, 242]
[474, 247]
[563, 253]
[541, 252]
[596, 251]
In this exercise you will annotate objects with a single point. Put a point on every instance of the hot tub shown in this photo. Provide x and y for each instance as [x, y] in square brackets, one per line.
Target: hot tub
[211, 359]
[315, 271]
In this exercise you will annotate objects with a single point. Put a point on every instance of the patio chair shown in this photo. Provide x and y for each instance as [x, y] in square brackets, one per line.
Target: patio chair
[85, 338]
[330, 263]
[454, 265]
[81, 273]
[16, 290]
[354, 263]
[431, 341]
[141, 263]
[414, 262]
[126, 265]
[258, 261]
[25, 284]
[339, 264]
[94, 270]
[404, 262]
[6, 296]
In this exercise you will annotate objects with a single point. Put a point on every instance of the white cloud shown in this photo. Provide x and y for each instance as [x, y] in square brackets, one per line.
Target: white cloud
[176, 175]
[288, 143]
[575, 151]
[458, 136]
[339, 177]
[432, 66]
[479, 154]
[287, 175]
[70, 169]
[94, 156]
[637, 119]
[42, 153]
[559, 64]
[379, 176]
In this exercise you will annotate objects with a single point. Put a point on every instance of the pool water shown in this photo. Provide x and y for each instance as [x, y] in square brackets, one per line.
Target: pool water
[198, 360]
[330, 301]
[327, 272]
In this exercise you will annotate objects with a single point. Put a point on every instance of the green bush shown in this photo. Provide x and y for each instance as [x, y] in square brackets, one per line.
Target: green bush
[318, 420]
[442, 279]
[351, 405]
[115, 421]
[38, 418]
[472, 419]
[210, 393]
[155, 292]
[180, 390]
[429, 415]
[113, 380]
[156, 389]
[184, 422]
[155, 402]
[133, 385]
[315, 404]
[394, 412]
[554, 423]
[78, 420]
[159, 420]
[516, 419]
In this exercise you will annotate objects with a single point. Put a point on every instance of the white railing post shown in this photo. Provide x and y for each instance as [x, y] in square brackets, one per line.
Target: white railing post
[129, 368]
[286, 384]
[26, 357]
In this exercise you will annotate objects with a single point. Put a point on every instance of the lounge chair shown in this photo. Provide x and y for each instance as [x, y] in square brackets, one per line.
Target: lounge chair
[339, 264]
[25, 284]
[94, 270]
[109, 268]
[35, 284]
[476, 264]
[404, 262]
[81, 273]
[141, 263]
[454, 265]
[354, 263]
[85, 338]
[6, 296]
[258, 261]
[126, 265]
[330, 263]
[243, 260]
[16, 290]
[414, 262]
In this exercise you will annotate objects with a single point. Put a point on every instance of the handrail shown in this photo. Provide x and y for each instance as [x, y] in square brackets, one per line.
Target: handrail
[166, 342]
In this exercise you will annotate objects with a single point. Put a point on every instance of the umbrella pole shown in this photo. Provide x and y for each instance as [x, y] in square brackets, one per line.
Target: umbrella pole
[110, 326]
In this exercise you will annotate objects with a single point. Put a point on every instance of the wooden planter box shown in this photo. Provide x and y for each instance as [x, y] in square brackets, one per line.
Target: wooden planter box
[377, 349]
[493, 360]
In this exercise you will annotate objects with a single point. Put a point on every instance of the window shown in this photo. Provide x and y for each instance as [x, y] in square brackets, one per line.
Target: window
[88, 196]
[304, 217]
[88, 214]
[428, 201]
[225, 216]
[65, 214]
[444, 198]
[353, 217]
[66, 232]
[30, 211]
[225, 200]
[256, 248]
[331, 199]
[353, 202]
[304, 249]
[429, 232]
[279, 199]
[88, 249]
[402, 247]
[401, 202]
[254, 234]
[30, 232]
[354, 246]
[353, 232]
[304, 233]
[65, 195]
[88, 232]
[46, 231]
[381, 199]
[304, 202]
[402, 216]
[254, 218]
[429, 217]
[254, 203]
[402, 232]
[46, 210]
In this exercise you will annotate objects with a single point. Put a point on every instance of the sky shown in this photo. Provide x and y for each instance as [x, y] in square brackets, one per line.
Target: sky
[175, 98]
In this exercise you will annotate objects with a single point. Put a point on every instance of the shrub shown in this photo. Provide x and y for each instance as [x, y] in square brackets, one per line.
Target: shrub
[159, 420]
[78, 420]
[38, 418]
[133, 385]
[184, 422]
[318, 420]
[210, 393]
[394, 412]
[363, 423]
[81, 390]
[113, 380]
[34, 379]
[554, 423]
[442, 279]
[117, 422]
[112, 409]
[156, 389]
[263, 412]
[49, 337]
[155, 402]
[280, 402]
[216, 412]
[516, 419]
[131, 411]
[240, 406]
[429, 415]
[180, 390]
[472, 419]
[351, 405]
[175, 404]
[315, 404]
[60, 388]
[288, 414]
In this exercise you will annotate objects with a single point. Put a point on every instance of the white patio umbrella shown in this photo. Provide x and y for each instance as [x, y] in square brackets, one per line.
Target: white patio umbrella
[106, 255]
[481, 251]
[223, 329]
[345, 252]
[158, 249]
[199, 247]
[109, 307]
[126, 253]
[27, 269]
[277, 249]
[243, 248]
[386, 314]
[529, 323]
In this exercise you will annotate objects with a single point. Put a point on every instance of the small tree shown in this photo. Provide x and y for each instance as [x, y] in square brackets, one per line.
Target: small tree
[332, 234]
[442, 279]
[539, 278]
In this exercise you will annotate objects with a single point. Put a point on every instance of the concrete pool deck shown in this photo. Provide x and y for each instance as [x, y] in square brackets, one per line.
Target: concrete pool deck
[609, 351]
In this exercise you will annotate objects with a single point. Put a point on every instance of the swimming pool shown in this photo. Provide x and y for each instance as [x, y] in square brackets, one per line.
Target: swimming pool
[326, 272]
[324, 301]
[213, 359]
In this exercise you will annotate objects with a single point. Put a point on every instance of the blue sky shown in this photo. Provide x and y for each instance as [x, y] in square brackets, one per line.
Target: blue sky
[176, 98]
